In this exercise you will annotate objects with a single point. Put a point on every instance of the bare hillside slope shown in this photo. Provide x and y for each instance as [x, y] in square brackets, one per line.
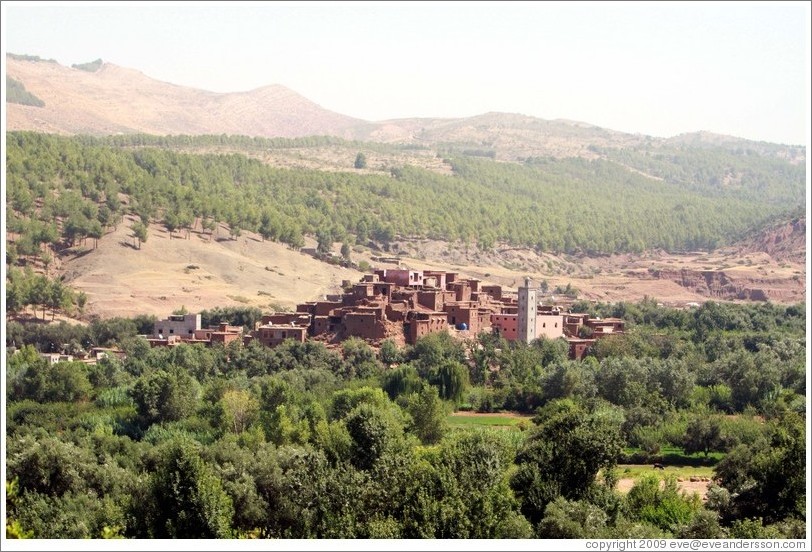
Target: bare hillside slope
[119, 100]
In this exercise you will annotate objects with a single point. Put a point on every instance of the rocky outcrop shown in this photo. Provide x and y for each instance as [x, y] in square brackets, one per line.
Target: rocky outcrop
[782, 242]
[718, 284]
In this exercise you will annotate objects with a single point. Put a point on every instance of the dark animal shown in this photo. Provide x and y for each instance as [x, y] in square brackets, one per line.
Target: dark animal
[658, 466]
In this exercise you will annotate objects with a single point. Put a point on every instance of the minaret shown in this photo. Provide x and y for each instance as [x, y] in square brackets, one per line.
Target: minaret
[528, 307]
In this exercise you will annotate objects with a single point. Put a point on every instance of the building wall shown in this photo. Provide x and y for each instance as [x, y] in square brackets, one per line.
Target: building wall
[494, 291]
[403, 277]
[181, 325]
[505, 325]
[579, 348]
[424, 324]
[366, 325]
[279, 318]
[550, 326]
[462, 289]
[271, 336]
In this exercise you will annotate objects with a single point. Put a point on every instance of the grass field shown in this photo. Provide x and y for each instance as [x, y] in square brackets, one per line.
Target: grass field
[634, 471]
[471, 419]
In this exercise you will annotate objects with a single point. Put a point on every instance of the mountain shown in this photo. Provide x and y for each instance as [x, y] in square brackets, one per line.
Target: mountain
[117, 100]
[102, 98]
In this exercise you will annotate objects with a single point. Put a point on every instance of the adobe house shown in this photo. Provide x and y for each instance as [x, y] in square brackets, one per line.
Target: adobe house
[505, 325]
[462, 289]
[549, 325]
[366, 323]
[324, 325]
[573, 322]
[403, 277]
[53, 358]
[360, 291]
[273, 335]
[420, 323]
[166, 341]
[396, 311]
[475, 318]
[223, 334]
[435, 299]
[282, 318]
[434, 278]
[183, 325]
[325, 308]
[579, 348]
[606, 326]
[308, 307]
[494, 291]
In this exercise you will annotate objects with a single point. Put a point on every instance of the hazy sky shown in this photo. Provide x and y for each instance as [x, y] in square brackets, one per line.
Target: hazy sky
[652, 68]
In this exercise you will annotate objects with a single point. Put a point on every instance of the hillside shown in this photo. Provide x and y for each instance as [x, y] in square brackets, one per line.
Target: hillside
[115, 100]
[497, 196]
[198, 273]
[202, 273]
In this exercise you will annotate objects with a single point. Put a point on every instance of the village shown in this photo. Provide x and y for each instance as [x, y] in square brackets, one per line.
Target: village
[404, 305]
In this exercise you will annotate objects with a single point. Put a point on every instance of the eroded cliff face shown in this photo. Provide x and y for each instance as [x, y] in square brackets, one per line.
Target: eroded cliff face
[721, 284]
[782, 242]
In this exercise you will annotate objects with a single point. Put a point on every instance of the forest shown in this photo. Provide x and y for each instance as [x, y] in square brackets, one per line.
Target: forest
[62, 191]
[306, 441]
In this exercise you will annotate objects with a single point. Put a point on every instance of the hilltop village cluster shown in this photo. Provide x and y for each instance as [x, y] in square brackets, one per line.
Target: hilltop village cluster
[404, 305]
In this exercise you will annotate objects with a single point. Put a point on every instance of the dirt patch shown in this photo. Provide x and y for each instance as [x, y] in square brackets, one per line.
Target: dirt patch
[686, 486]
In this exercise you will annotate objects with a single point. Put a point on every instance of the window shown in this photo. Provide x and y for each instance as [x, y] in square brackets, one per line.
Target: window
[171, 330]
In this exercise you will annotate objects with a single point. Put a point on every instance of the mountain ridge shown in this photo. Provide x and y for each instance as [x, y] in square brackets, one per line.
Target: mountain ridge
[121, 100]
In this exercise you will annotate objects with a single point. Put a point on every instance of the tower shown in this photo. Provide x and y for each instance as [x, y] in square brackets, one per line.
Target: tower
[528, 306]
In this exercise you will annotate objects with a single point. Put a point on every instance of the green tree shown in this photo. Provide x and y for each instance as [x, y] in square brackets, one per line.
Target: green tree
[360, 161]
[164, 396]
[139, 232]
[704, 434]
[374, 433]
[324, 239]
[428, 414]
[563, 455]
[238, 410]
[451, 380]
[184, 498]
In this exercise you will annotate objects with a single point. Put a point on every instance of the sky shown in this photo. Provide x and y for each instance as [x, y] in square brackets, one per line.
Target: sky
[659, 68]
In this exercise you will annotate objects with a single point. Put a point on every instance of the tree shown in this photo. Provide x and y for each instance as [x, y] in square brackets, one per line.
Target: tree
[767, 479]
[428, 414]
[345, 250]
[185, 499]
[324, 239]
[563, 455]
[704, 434]
[164, 396]
[360, 161]
[238, 410]
[374, 432]
[661, 503]
[576, 519]
[451, 380]
[139, 232]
